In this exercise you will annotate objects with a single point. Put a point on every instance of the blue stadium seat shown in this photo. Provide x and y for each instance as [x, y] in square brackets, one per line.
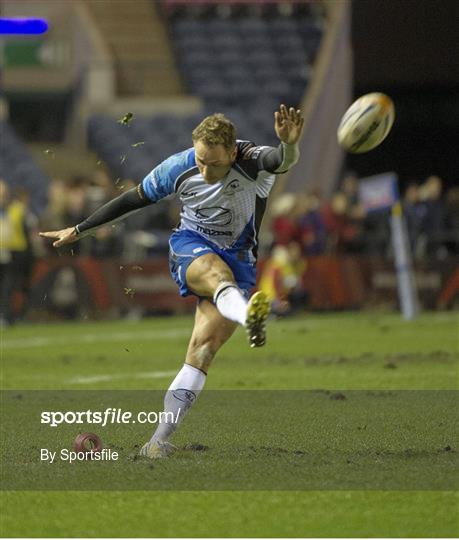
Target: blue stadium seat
[253, 26]
[265, 56]
[226, 41]
[221, 26]
[213, 89]
[228, 57]
[188, 44]
[195, 59]
[256, 42]
[238, 74]
[243, 92]
[289, 42]
[188, 26]
[203, 74]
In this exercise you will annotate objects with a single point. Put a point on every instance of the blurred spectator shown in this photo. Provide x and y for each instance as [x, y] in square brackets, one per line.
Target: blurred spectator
[434, 223]
[282, 279]
[76, 200]
[313, 231]
[16, 253]
[75, 206]
[99, 190]
[354, 210]
[284, 226]
[350, 188]
[107, 241]
[63, 295]
[344, 235]
[414, 213]
[54, 215]
[376, 235]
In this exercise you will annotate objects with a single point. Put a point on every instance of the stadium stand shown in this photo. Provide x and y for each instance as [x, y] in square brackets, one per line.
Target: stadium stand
[241, 64]
[138, 41]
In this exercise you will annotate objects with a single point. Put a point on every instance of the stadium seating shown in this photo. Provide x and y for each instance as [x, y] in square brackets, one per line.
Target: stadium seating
[242, 66]
[19, 169]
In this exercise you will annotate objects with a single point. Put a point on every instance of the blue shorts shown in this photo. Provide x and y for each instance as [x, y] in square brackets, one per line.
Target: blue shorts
[185, 246]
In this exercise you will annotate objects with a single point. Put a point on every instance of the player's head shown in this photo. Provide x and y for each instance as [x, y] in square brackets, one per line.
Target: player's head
[214, 141]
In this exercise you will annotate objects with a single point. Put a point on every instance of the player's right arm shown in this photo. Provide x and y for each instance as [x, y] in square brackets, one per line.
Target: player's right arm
[159, 183]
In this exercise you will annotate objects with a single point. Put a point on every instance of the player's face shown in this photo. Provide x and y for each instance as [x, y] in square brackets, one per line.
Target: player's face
[213, 162]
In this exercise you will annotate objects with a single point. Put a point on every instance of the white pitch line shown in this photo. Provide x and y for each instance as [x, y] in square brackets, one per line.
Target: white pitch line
[31, 342]
[121, 376]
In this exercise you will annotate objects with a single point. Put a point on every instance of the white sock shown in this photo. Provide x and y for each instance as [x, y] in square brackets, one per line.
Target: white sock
[230, 302]
[180, 396]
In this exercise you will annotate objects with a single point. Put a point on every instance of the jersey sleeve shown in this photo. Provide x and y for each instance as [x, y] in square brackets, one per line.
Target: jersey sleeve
[254, 159]
[161, 181]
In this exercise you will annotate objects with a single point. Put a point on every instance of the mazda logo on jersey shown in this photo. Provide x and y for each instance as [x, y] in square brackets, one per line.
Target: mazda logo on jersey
[214, 215]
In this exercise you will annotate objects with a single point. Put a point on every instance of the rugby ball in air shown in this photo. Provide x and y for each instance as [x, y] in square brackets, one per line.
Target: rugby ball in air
[366, 123]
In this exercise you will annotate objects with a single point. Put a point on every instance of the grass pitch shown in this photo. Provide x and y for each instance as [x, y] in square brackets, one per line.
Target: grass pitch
[372, 450]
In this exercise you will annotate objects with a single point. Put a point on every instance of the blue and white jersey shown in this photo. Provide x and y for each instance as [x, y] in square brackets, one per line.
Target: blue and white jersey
[227, 213]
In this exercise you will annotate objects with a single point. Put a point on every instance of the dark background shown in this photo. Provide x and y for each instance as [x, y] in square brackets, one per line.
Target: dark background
[409, 49]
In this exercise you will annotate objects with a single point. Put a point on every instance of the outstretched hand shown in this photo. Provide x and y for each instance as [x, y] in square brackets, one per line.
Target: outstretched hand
[288, 124]
[64, 236]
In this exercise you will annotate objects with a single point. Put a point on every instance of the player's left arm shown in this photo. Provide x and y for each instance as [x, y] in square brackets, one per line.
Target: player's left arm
[157, 185]
[111, 212]
[288, 124]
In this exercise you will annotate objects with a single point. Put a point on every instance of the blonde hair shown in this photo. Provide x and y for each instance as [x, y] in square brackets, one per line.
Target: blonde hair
[215, 129]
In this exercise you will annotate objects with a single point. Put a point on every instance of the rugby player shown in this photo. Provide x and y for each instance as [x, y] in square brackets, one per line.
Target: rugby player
[223, 185]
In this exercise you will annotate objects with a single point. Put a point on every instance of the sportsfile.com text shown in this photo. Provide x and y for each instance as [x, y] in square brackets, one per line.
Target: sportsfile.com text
[109, 416]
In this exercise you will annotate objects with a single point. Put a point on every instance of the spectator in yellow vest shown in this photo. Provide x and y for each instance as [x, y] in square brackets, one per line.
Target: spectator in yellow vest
[16, 256]
[282, 279]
